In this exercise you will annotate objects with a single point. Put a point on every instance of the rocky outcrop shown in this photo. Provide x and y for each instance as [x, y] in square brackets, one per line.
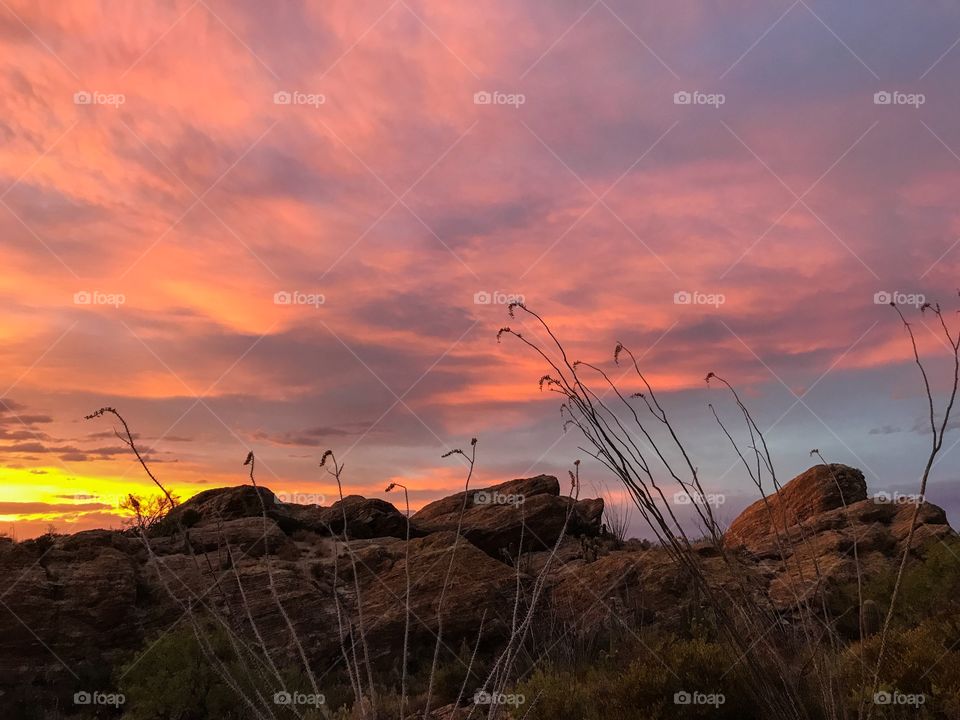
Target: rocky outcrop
[365, 517]
[496, 518]
[89, 601]
[477, 581]
[820, 489]
[85, 602]
[815, 531]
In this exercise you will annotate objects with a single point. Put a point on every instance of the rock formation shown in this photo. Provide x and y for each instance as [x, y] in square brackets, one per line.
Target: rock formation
[89, 601]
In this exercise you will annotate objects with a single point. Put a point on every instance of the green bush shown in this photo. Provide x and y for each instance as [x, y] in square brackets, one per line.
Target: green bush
[646, 688]
[922, 662]
[174, 679]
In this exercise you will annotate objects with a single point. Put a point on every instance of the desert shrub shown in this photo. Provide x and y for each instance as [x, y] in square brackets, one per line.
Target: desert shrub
[652, 686]
[931, 586]
[172, 678]
[923, 662]
[305, 535]
[930, 589]
[452, 672]
[616, 520]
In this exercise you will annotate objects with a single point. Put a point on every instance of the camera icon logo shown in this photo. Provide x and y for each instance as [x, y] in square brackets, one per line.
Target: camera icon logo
[682, 97]
[482, 298]
[882, 698]
[882, 98]
[282, 298]
[282, 698]
[83, 297]
[682, 698]
[882, 298]
[82, 97]
[482, 98]
[682, 297]
[82, 698]
[282, 97]
[481, 498]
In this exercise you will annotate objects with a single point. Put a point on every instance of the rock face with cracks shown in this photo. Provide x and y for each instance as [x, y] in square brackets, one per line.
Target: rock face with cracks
[498, 519]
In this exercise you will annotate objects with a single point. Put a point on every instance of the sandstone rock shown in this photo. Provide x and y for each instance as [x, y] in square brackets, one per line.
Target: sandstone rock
[229, 503]
[477, 584]
[366, 517]
[820, 489]
[496, 517]
[248, 536]
[810, 538]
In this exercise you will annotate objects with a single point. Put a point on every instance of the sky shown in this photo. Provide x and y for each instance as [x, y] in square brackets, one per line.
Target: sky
[295, 226]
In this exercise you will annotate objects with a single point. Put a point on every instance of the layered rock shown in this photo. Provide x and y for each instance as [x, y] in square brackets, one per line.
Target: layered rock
[821, 525]
[819, 490]
[497, 518]
[365, 517]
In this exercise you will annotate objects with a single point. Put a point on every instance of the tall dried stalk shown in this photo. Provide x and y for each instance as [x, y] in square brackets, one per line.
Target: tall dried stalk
[127, 438]
[251, 461]
[472, 461]
[614, 446]
[406, 601]
[259, 705]
[938, 431]
[336, 473]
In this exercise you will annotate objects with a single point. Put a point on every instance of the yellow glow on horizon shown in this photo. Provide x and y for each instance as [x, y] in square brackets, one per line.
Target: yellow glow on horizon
[55, 487]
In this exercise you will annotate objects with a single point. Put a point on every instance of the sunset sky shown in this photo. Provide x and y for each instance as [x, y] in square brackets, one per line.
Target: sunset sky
[172, 172]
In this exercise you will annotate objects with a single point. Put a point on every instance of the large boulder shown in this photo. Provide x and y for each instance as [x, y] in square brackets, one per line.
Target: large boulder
[821, 528]
[496, 518]
[228, 503]
[365, 517]
[820, 489]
